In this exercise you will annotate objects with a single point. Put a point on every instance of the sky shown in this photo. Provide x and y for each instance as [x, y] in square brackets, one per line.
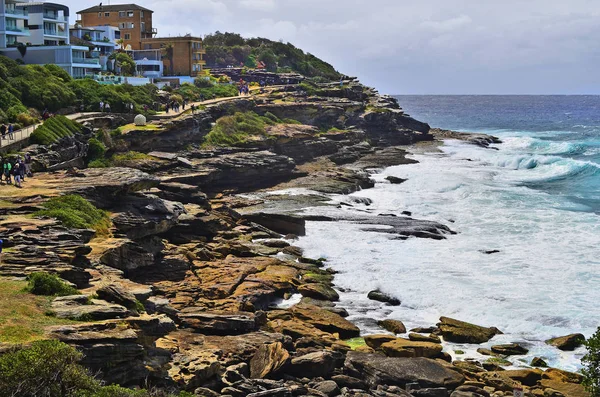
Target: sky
[416, 46]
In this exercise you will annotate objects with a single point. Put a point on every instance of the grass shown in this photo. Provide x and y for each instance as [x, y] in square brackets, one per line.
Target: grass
[76, 212]
[54, 129]
[40, 283]
[127, 159]
[375, 109]
[355, 343]
[23, 315]
[132, 127]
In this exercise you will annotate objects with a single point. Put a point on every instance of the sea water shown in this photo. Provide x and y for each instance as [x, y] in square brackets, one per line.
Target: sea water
[536, 200]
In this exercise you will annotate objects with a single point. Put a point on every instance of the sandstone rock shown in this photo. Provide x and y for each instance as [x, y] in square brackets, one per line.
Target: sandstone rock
[527, 377]
[425, 330]
[393, 326]
[319, 291]
[218, 323]
[486, 352]
[395, 181]
[124, 254]
[383, 297]
[348, 382]
[430, 392]
[317, 364]
[269, 359]
[375, 341]
[325, 320]
[328, 388]
[78, 307]
[469, 391]
[424, 338]
[406, 348]
[567, 343]
[115, 294]
[376, 370]
[538, 362]
[510, 349]
[461, 332]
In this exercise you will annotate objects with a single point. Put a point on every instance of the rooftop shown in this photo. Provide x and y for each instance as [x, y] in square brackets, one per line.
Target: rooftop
[113, 7]
[174, 38]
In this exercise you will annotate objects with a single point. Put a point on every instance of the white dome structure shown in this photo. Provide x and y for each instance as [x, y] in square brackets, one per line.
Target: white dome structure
[140, 120]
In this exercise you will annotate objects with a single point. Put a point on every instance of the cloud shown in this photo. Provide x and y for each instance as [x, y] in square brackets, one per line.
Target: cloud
[403, 46]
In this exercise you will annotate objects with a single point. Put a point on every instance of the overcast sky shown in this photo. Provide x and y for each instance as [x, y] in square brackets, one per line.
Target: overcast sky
[416, 46]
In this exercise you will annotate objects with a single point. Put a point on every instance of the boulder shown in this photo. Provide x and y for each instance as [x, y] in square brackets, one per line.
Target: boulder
[319, 291]
[375, 341]
[568, 342]
[407, 348]
[218, 323]
[126, 255]
[461, 332]
[325, 320]
[376, 370]
[383, 297]
[393, 326]
[283, 224]
[423, 338]
[317, 364]
[115, 294]
[527, 377]
[268, 360]
[509, 349]
[539, 362]
[328, 387]
[81, 308]
[395, 180]
[469, 391]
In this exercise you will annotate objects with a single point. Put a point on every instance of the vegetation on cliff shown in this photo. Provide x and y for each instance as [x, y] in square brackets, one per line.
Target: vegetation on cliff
[22, 314]
[54, 129]
[40, 283]
[76, 212]
[223, 49]
[242, 128]
[591, 362]
[51, 368]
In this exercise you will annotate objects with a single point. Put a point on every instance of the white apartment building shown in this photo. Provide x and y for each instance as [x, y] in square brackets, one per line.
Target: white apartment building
[103, 38]
[45, 35]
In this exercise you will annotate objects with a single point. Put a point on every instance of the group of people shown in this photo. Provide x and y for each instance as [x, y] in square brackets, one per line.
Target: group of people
[175, 106]
[10, 129]
[243, 88]
[16, 169]
[105, 107]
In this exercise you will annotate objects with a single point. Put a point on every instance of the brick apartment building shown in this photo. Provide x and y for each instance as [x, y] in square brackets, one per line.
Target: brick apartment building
[186, 53]
[134, 22]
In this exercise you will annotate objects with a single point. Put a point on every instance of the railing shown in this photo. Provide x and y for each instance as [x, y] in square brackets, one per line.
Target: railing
[50, 16]
[54, 33]
[16, 29]
[17, 136]
[86, 60]
[16, 11]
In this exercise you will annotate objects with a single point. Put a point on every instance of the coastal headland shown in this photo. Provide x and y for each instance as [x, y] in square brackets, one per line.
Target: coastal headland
[193, 283]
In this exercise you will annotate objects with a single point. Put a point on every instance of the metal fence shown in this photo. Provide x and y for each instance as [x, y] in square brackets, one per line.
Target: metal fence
[17, 136]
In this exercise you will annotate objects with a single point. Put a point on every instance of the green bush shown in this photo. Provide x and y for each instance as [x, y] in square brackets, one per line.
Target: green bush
[96, 150]
[236, 129]
[40, 283]
[591, 365]
[46, 368]
[76, 212]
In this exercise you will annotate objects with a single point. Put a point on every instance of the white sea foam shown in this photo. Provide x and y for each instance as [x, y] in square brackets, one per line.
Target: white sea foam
[544, 282]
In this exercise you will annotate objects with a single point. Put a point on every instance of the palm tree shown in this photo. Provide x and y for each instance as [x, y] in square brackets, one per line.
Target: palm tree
[121, 43]
[22, 49]
[169, 53]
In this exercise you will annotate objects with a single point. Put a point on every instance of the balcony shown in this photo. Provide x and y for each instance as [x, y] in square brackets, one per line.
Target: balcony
[17, 31]
[54, 17]
[17, 12]
[48, 32]
[87, 61]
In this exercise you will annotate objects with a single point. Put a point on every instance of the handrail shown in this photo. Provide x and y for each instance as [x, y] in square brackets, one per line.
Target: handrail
[18, 135]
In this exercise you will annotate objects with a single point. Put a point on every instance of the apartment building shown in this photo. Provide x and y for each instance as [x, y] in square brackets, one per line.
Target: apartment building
[133, 21]
[182, 55]
[12, 23]
[43, 37]
[103, 38]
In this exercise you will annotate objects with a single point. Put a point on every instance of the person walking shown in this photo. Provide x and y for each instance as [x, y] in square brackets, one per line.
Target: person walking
[28, 161]
[7, 171]
[11, 129]
[17, 175]
[101, 107]
[3, 131]
[193, 109]
[21, 164]
[107, 107]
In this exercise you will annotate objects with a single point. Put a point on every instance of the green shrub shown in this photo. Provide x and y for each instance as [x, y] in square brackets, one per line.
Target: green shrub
[46, 368]
[236, 129]
[76, 212]
[591, 365]
[100, 163]
[40, 283]
[96, 150]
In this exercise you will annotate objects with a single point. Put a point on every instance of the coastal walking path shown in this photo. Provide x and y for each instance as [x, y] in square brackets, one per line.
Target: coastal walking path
[24, 133]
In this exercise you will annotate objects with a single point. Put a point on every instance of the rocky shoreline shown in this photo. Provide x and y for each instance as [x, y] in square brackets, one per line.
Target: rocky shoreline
[199, 286]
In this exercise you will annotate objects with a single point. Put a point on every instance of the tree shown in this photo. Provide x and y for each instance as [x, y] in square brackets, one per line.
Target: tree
[121, 43]
[591, 363]
[126, 63]
[169, 54]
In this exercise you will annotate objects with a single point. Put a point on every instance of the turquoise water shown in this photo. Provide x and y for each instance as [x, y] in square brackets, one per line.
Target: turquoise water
[536, 200]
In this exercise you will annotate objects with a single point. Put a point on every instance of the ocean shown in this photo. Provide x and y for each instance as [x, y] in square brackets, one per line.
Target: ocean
[536, 200]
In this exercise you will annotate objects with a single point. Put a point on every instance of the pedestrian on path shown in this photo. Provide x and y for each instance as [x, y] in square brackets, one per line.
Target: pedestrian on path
[28, 161]
[101, 107]
[17, 174]
[3, 131]
[193, 108]
[11, 129]
[107, 107]
[21, 164]
[7, 168]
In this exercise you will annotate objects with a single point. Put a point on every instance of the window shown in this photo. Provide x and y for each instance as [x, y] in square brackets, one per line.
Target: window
[107, 14]
[127, 36]
[99, 15]
[122, 14]
[130, 14]
[143, 26]
[141, 14]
